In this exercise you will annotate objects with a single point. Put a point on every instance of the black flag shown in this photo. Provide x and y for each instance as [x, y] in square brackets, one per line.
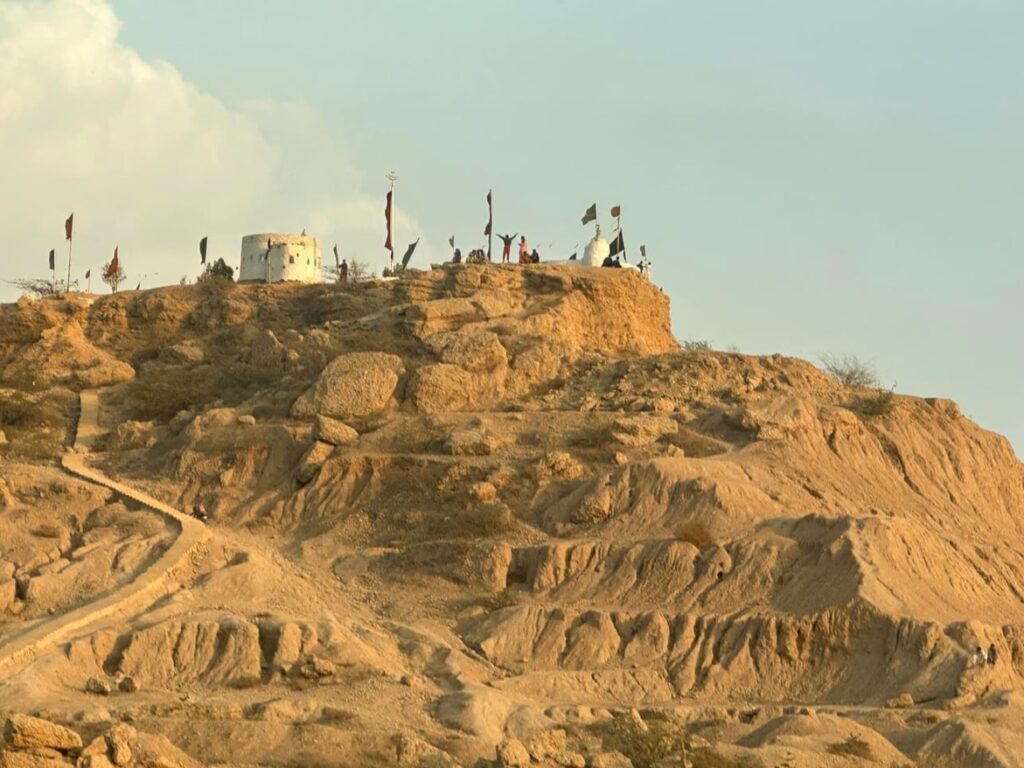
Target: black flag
[137, 287]
[52, 267]
[202, 251]
[591, 214]
[643, 251]
[451, 241]
[573, 257]
[618, 245]
[336, 262]
[88, 274]
[408, 253]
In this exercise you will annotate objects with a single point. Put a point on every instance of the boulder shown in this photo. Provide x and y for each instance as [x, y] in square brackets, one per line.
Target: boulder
[315, 668]
[513, 752]
[29, 760]
[569, 759]
[184, 353]
[441, 388]
[547, 744]
[247, 419]
[610, 760]
[483, 491]
[133, 434]
[558, 465]
[159, 752]
[313, 459]
[412, 751]
[643, 429]
[128, 684]
[119, 740]
[480, 352]
[8, 593]
[471, 442]
[25, 732]
[97, 686]
[902, 701]
[353, 385]
[332, 431]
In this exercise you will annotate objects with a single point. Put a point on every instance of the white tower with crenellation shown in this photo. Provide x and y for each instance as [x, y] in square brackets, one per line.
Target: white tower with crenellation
[275, 258]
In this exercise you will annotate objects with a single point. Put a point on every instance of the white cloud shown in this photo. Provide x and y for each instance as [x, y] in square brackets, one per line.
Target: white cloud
[150, 162]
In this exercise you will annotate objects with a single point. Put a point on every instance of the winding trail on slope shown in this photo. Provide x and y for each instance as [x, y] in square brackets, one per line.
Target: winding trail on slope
[162, 577]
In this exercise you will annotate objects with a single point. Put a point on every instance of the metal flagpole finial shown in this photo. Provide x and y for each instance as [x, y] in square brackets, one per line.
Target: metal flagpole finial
[392, 177]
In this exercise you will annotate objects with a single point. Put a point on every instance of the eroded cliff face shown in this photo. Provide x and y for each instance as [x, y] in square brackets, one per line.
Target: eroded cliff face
[519, 493]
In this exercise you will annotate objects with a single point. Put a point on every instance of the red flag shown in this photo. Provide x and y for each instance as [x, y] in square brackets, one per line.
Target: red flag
[69, 224]
[387, 218]
[114, 265]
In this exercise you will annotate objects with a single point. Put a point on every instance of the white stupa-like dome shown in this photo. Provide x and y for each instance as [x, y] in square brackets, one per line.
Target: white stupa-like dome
[597, 250]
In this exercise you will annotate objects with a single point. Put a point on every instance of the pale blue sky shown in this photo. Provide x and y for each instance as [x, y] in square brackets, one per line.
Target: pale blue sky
[809, 177]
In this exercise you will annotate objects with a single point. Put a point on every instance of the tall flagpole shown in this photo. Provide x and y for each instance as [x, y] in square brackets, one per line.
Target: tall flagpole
[618, 230]
[392, 177]
[70, 241]
[490, 223]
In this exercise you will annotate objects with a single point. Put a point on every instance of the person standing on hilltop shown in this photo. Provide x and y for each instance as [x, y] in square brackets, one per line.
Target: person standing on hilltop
[343, 272]
[524, 250]
[506, 247]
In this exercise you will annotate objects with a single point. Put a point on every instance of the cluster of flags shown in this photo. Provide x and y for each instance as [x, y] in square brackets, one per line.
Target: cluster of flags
[618, 244]
[616, 247]
[111, 271]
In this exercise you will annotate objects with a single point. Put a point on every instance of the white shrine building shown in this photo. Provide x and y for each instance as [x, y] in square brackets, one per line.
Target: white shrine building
[273, 258]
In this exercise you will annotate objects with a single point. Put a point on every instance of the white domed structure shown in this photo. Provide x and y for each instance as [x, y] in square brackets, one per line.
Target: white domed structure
[597, 250]
[273, 258]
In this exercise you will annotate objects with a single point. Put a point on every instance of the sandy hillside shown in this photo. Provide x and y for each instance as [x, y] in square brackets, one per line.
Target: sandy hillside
[486, 516]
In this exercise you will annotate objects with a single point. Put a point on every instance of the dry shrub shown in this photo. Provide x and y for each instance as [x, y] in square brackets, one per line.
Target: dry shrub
[661, 741]
[696, 533]
[879, 403]
[483, 520]
[854, 746]
[850, 371]
[36, 425]
[697, 345]
[506, 598]
[160, 396]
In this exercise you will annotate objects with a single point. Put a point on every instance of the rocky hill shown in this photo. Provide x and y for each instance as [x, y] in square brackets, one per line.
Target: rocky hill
[491, 515]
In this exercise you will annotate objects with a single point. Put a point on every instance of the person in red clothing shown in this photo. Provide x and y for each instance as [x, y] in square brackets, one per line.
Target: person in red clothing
[506, 248]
